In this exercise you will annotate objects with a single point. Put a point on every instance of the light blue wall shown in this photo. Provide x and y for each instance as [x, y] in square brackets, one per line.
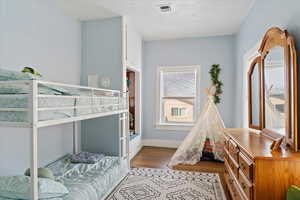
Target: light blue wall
[264, 15]
[102, 50]
[102, 55]
[36, 33]
[196, 51]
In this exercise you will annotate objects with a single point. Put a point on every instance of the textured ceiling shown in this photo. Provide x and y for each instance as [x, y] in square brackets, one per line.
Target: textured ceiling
[190, 18]
[85, 9]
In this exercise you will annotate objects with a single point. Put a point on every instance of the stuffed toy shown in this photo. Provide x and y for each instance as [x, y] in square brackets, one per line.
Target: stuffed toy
[31, 71]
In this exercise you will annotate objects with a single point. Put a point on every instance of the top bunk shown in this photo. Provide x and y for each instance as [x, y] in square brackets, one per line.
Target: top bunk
[38, 103]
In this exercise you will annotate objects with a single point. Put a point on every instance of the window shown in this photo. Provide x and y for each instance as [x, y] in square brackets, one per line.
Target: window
[177, 95]
[178, 111]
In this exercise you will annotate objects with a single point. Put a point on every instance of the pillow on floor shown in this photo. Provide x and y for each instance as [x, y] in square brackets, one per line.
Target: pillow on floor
[293, 193]
[19, 187]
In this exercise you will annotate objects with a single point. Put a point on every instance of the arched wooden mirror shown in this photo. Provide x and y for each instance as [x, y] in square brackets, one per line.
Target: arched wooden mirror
[278, 86]
[254, 93]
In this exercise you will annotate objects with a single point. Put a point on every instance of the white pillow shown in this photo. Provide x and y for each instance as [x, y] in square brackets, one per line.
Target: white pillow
[19, 187]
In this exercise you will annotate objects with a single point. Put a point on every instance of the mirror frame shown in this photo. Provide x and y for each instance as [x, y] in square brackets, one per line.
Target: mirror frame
[275, 37]
[257, 60]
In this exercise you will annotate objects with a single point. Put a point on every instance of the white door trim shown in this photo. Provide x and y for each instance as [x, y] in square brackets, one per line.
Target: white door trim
[138, 99]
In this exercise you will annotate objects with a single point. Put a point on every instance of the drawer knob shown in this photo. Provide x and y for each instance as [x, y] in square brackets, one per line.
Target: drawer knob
[243, 186]
[243, 166]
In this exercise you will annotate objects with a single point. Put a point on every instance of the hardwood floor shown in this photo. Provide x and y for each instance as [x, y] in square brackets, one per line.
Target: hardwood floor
[157, 157]
[153, 157]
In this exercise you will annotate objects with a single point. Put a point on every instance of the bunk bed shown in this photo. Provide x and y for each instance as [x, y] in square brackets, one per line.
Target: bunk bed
[35, 104]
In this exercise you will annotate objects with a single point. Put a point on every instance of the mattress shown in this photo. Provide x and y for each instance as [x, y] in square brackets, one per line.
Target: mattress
[100, 104]
[88, 181]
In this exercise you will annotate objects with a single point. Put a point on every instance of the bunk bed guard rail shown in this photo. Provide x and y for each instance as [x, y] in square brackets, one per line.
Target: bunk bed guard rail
[55, 103]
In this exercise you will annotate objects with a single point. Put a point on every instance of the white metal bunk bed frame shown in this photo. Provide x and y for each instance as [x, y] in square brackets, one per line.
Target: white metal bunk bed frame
[34, 124]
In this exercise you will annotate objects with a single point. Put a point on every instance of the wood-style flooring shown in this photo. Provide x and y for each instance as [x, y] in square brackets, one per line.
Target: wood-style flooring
[153, 157]
[157, 157]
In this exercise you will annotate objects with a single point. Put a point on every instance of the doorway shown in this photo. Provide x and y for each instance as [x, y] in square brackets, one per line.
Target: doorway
[134, 95]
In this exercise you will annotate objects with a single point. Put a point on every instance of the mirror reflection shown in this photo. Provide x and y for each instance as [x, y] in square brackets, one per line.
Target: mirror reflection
[255, 90]
[291, 93]
[275, 98]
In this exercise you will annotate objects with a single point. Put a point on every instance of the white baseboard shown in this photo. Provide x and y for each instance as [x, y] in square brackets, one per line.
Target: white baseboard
[161, 143]
[135, 152]
[135, 145]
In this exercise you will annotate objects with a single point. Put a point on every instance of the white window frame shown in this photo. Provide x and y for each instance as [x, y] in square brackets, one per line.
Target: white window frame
[170, 126]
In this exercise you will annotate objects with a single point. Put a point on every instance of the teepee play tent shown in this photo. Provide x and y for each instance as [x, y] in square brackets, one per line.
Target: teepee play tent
[208, 129]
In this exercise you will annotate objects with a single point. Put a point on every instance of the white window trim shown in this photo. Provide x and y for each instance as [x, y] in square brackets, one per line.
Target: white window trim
[170, 126]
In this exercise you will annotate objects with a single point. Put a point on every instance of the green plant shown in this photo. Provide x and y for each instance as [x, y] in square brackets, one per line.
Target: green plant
[214, 73]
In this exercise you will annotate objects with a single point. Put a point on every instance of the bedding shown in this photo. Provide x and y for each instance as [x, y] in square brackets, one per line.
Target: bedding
[101, 104]
[17, 187]
[88, 181]
[9, 75]
[51, 102]
[86, 157]
[17, 88]
[21, 88]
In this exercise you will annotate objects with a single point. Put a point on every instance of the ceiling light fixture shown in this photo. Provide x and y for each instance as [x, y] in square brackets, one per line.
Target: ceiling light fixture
[165, 8]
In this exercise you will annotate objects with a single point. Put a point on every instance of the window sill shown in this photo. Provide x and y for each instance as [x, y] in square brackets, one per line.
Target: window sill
[175, 127]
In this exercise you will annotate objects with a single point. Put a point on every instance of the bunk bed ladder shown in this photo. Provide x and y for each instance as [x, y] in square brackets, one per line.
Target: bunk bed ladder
[123, 128]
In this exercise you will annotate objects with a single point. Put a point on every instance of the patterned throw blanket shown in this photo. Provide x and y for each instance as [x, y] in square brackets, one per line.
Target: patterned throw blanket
[86, 157]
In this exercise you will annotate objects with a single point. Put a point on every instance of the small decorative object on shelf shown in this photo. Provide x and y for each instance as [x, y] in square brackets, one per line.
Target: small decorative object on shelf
[214, 73]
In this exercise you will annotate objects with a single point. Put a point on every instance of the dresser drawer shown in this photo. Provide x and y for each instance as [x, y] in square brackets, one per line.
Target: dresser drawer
[226, 142]
[246, 165]
[226, 154]
[246, 186]
[233, 166]
[232, 187]
[234, 150]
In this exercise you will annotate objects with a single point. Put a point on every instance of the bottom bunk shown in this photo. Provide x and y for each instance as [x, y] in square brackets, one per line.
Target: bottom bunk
[87, 181]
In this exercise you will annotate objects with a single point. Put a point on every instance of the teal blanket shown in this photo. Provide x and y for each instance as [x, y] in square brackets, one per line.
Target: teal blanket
[88, 181]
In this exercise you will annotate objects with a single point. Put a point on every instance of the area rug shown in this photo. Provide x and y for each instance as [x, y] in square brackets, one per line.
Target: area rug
[160, 184]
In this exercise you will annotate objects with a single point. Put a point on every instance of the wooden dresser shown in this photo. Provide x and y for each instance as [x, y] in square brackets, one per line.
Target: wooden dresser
[253, 171]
